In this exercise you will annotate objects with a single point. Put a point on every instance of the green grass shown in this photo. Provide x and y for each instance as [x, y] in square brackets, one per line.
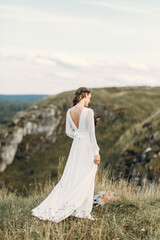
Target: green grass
[136, 215]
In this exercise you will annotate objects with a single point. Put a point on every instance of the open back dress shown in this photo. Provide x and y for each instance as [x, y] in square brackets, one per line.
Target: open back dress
[73, 194]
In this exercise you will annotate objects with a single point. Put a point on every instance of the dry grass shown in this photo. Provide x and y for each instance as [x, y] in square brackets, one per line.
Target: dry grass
[136, 215]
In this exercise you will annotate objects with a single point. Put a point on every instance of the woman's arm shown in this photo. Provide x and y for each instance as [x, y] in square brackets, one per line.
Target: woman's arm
[91, 128]
[68, 128]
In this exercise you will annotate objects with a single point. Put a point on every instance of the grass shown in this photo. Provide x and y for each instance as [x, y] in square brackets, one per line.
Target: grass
[136, 215]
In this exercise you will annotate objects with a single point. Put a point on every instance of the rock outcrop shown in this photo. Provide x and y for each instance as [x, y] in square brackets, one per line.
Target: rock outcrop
[37, 120]
[140, 162]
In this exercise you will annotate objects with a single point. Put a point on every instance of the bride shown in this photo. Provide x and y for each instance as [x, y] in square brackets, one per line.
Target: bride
[73, 194]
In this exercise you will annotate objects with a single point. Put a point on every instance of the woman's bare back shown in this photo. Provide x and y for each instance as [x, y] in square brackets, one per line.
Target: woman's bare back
[75, 113]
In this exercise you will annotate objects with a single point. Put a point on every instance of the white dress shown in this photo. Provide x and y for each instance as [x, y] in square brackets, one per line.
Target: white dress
[73, 194]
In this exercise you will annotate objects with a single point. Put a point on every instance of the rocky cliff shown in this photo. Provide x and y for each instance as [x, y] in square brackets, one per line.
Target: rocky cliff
[140, 161]
[36, 120]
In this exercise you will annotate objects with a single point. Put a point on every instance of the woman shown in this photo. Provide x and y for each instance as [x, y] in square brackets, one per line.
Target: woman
[73, 194]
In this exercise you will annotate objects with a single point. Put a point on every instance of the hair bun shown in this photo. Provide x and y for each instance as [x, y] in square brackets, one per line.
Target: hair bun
[79, 94]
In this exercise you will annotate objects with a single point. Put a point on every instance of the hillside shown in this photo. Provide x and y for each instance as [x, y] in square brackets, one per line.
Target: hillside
[34, 140]
[140, 161]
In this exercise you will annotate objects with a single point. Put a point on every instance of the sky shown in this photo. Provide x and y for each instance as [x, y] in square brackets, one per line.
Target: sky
[48, 47]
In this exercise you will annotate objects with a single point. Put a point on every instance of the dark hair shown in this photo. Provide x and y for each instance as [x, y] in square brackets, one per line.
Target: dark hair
[80, 93]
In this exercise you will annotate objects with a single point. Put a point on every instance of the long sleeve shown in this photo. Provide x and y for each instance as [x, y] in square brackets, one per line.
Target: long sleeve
[68, 127]
[91, 128]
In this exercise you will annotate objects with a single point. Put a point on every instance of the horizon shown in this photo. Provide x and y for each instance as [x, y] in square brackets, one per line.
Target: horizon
[19, 94]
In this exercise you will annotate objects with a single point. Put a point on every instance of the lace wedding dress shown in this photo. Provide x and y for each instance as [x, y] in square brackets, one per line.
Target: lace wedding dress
[73, 194]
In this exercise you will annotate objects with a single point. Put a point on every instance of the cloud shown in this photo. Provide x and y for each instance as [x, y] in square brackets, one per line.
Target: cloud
[63, 60]
[127, 6]
[29, 14]
[67, 71]
[90, 24]
[77, 61]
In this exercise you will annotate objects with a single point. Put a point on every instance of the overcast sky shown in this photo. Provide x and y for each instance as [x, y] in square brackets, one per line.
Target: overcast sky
[47, 47]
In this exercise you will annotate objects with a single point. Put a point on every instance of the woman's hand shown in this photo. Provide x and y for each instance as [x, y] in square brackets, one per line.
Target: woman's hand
[97, 159]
